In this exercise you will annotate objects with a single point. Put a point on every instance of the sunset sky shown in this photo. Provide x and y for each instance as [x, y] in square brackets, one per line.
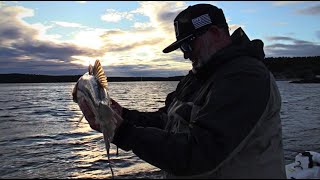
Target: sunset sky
[63, 37]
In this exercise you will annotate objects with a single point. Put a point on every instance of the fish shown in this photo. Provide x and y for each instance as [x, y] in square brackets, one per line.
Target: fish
[91, 93]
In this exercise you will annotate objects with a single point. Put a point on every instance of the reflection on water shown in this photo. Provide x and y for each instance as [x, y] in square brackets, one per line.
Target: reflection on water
[39, 136]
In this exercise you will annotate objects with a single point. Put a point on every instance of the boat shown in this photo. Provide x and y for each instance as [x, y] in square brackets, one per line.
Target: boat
[305, 166]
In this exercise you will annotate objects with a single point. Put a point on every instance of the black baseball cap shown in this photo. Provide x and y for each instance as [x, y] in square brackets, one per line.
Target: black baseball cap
[194, 19]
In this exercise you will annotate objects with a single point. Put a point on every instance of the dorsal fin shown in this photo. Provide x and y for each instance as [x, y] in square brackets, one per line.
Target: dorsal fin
[90, 69]
[99, 74]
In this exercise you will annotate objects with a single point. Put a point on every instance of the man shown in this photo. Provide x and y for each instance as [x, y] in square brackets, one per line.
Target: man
[223, 120]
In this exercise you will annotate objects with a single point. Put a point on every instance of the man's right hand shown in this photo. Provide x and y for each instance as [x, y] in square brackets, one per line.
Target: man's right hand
[116, 107]
[88, 114]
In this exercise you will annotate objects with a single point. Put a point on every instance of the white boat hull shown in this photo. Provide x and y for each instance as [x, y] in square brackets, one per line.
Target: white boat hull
[305, 166]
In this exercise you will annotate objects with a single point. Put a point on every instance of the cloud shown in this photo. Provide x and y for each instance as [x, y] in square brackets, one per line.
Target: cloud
[133, 52]
[313, 10]
[276, 38]
[161, 14]
[291, 47]
[233, 27]
[24, 49]
[145, 42]
[285, 3]
[123, 47]
[143, 71]
[29, 49]
[12, 27]
[114, 16]
[119, 41]
[68, 24]
[15, 61]
[142, 26]
[289, 39]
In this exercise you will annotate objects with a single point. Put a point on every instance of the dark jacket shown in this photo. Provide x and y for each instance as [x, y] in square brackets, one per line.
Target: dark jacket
[209, 115]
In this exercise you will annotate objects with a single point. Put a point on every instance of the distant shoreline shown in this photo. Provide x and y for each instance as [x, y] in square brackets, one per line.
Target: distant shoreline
[35, 78]
[305, 81]
[294, 69]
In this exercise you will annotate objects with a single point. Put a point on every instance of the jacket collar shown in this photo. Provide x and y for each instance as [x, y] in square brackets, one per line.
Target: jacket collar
[240, 46]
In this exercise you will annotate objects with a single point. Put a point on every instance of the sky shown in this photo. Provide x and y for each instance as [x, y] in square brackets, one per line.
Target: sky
[64, 37]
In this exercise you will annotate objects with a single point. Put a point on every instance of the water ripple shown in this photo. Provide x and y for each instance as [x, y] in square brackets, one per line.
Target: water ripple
[39, 137]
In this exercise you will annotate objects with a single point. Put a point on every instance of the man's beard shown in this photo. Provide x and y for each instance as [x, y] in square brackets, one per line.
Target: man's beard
[205, 56]
[202, 61]
[195, 68]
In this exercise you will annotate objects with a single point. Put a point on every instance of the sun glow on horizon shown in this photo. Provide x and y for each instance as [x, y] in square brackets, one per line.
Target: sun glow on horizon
[83, 60]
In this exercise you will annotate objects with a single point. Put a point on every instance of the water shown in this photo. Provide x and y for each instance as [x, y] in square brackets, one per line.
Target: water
[39, 137]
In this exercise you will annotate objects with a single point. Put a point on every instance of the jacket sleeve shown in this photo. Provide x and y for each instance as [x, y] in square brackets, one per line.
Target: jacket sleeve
[149, 119]
[229, 112]
[144, 119]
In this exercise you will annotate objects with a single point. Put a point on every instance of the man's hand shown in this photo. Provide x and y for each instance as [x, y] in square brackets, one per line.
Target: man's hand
[88, 114]
[116, 107]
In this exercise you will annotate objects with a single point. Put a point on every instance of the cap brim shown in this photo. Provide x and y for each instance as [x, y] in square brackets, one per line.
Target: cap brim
[176, 44]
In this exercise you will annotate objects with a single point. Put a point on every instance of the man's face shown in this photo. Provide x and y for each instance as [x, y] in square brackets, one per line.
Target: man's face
[201, 52]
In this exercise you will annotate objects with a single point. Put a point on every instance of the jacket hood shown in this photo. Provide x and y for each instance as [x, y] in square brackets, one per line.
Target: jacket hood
[241, 46]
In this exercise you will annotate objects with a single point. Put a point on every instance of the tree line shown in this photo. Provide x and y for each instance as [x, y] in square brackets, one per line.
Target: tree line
[306, 68]
[294, 67]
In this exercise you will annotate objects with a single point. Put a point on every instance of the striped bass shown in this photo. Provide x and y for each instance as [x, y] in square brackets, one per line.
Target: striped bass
[91, 94]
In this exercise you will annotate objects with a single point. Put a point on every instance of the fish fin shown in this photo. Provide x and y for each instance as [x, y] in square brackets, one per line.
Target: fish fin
[117, 151]
[107, 143]
[80, 119]
[90, 69]
[99, 74]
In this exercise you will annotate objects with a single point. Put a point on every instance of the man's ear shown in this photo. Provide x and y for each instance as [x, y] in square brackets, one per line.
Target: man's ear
[213, 28]
[215, 32]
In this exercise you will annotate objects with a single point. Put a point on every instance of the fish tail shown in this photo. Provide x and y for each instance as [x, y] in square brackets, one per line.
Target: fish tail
[107, 143]
[108, 154]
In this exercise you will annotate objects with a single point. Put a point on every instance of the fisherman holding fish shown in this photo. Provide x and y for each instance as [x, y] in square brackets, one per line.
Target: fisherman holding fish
[223, 119]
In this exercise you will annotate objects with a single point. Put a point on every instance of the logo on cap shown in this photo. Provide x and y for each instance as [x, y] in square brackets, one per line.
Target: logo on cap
[201, 21]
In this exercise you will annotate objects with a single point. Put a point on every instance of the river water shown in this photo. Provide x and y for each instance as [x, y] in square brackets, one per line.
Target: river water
[39, 136]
